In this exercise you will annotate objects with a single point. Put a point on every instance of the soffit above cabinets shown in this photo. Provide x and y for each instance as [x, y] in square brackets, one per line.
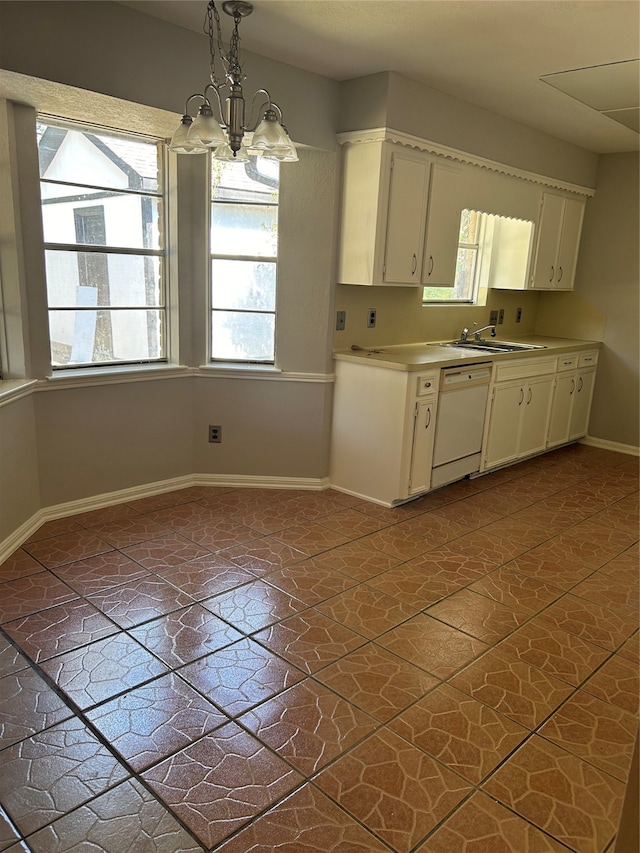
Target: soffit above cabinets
[613, 89]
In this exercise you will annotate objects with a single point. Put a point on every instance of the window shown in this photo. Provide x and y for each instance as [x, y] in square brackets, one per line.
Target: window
[102, 213]
[465, 288]
[244, 249]
[493, 251]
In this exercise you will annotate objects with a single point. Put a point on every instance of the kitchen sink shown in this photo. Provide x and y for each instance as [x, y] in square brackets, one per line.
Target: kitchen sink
[493, 346]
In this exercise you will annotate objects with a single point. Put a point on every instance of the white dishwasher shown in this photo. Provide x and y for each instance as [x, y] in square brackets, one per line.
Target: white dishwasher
[460, 422]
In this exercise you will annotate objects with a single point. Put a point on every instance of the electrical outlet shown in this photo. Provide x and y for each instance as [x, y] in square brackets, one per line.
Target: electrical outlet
[493, 318]
[215, 434]
[518, 315]
[501, 316]
[341, 321]
[371, 318]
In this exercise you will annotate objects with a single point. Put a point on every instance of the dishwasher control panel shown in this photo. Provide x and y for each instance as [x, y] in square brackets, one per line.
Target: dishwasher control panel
[465, 376]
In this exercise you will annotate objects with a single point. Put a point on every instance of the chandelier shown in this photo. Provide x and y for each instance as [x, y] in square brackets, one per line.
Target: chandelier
[226, 137]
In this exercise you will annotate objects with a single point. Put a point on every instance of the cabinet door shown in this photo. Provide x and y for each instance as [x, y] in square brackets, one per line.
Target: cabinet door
[443, 227]
[569, 243]
[504, 424]
[561, 409]
[549, 227]
[535, 416]
[405, 218]
[422, 452]
[582, 403]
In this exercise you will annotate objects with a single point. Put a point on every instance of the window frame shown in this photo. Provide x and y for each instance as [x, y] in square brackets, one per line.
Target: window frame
[477, 248]
[211, 360]
[162, 252]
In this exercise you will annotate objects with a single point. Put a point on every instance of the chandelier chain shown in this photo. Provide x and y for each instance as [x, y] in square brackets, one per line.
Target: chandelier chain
[213, 30]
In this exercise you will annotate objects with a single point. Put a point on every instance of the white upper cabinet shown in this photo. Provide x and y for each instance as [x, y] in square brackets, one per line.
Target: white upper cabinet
[557, 243]
[400, 217]
[394, 199]
[405, 218]
[443, 227]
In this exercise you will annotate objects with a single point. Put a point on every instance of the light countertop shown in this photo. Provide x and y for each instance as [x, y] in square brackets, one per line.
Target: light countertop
[433, 354]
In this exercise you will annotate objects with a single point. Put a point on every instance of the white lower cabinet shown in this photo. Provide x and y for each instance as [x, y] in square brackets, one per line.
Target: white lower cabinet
[536, 408]
[572, 398]
[519, 410]
[424, 423]
[384, 420]
[383, 429]
[582, 403]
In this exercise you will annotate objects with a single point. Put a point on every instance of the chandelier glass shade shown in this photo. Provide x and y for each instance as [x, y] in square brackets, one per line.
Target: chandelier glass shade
[231, 135]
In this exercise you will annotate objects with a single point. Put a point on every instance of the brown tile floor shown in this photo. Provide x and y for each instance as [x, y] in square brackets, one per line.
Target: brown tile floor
[265, 670]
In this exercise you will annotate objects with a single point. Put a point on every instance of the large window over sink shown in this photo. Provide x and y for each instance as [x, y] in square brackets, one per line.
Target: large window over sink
[493, 251]
[466, 282]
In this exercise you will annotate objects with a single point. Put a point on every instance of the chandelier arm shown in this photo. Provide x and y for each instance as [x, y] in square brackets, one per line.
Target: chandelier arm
[218, 101]
[191, 97]
[264, 105]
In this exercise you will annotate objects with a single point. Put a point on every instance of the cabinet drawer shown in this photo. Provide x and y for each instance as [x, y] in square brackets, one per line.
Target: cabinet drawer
[567, 362]
[587, 358]
[427, 383]
[524, 368]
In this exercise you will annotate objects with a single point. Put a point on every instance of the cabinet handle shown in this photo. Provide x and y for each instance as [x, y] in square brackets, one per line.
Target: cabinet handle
[580, 384]
[573, 387]
[426, 426]
[553, 273]
[559, 274]
[414, 265]
[430, 265]
[530, 396]
[521, 397]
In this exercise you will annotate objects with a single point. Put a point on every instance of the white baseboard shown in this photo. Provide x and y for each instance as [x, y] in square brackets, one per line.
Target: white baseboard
[617, 446]
[50, 513]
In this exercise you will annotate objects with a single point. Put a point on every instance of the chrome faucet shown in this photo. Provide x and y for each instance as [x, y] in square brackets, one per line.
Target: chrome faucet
[478, 332]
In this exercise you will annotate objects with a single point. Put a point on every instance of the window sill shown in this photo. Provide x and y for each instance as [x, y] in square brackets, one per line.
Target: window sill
[82, 377]
[13, 389]
[233, 368]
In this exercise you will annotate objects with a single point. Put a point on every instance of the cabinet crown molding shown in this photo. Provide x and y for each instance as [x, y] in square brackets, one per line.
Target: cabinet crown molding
[387, 134]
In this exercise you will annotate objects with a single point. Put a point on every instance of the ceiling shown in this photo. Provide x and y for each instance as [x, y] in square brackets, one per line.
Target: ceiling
[508, 56]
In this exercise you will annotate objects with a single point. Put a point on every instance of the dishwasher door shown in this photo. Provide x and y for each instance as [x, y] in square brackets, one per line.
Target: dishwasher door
[461, 409]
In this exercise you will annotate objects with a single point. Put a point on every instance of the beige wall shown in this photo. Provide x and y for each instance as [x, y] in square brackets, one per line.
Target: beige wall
[606, 298]
[391, 100]
[19, 468]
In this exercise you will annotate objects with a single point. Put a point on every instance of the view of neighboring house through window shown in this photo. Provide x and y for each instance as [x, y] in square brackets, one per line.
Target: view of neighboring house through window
[102, 220]
[244, 248]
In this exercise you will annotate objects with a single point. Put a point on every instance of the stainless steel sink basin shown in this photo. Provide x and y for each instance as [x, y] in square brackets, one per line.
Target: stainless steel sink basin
[493, 346]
